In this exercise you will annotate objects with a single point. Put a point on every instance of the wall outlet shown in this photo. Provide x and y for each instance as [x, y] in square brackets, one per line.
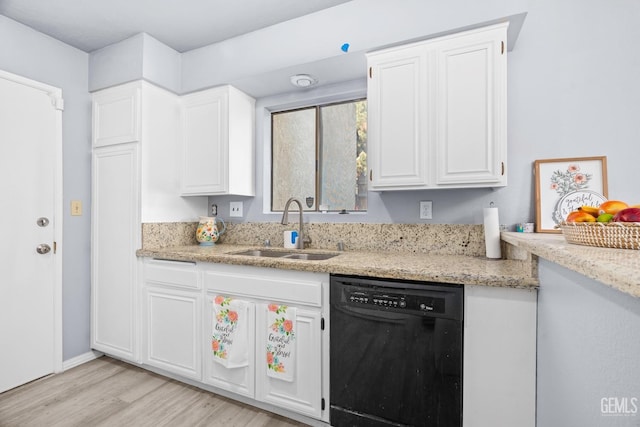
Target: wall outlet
[235, 209]
[426, 210]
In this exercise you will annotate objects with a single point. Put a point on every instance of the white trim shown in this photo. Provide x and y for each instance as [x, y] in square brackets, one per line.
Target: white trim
[58, 227]
[54, 93]
[81, 359]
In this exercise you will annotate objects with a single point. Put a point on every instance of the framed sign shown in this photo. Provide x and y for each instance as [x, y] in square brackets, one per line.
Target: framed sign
[563, 185]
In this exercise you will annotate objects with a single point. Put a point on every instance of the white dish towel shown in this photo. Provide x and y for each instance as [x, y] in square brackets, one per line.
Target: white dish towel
[229, 337]
[281, 342]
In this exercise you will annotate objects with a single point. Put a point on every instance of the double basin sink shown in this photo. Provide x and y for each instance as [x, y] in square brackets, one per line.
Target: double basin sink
[270, 253]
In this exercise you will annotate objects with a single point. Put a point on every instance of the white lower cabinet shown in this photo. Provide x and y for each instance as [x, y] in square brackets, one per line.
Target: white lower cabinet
[240, 380]
[115, 237]
[173, 331]
[172, 304]
[261, 288]
[499, 386]
[304, 393]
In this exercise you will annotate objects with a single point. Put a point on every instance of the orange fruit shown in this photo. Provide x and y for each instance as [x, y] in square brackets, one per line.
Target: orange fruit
[580, 216]
[612, 206]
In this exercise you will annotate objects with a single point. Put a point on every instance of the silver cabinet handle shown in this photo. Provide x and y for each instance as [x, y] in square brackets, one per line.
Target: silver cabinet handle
[43, 248]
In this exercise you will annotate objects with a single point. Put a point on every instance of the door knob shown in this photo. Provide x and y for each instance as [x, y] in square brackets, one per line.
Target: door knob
[43, 248]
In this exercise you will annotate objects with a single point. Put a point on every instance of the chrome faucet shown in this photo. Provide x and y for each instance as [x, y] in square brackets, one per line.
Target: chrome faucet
[285, 220]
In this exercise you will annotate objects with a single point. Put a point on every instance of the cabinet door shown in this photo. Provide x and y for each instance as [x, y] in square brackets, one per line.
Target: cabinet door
[304, 393]
[116, 115]
[499, 356]
[172, 331]
[115, 237]
[205, 135]
[239, 380]
[470, 105]
[399, 118]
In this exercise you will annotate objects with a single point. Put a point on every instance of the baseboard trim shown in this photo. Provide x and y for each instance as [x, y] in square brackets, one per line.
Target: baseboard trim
[79, 360]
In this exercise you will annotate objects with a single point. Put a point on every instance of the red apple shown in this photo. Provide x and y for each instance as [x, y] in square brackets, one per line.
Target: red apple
[627, 215]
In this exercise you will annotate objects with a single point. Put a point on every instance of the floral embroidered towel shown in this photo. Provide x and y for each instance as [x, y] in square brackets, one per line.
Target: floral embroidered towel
[281, 342]
[229, 338]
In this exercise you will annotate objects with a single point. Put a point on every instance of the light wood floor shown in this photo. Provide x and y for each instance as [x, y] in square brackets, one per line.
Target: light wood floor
[107, 392]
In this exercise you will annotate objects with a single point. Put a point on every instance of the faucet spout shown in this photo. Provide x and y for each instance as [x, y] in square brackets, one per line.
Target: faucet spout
[285, 220]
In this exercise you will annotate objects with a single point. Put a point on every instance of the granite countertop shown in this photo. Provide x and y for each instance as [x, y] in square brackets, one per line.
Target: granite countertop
[617, 268]
[395, 265]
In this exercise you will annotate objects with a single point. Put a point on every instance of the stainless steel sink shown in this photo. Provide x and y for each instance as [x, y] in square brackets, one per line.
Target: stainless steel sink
[310, 256]
[269, 253]
[262, 253]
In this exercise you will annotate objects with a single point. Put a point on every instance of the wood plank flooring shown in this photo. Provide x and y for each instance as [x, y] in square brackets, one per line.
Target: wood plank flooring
[108, 392]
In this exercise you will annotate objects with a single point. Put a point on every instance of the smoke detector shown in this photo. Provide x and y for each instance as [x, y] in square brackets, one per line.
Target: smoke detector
[303, 80]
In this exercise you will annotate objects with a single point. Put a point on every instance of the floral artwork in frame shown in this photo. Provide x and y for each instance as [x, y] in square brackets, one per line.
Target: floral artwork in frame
[563, 185]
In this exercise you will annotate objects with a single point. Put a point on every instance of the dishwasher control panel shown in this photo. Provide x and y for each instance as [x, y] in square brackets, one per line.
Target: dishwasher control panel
[396, 301]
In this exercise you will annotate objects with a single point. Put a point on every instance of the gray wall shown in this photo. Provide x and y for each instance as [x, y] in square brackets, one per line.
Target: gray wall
[31, 54]
[588, 347]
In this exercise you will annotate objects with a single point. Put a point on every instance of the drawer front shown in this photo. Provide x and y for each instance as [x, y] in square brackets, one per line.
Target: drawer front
[171, 273]
[266, 283]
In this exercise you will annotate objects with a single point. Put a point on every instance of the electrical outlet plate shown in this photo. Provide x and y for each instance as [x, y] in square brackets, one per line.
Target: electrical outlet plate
[235, 209]
[76, 208]
[426, 210]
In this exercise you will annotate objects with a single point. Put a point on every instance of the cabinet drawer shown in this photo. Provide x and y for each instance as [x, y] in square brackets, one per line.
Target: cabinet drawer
[267, 284]
[171, 273]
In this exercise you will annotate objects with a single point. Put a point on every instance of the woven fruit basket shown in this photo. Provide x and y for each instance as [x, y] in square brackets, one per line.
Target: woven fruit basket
[620, 235]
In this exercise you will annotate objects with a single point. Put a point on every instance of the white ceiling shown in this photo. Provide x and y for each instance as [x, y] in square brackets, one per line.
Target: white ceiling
[181, 24]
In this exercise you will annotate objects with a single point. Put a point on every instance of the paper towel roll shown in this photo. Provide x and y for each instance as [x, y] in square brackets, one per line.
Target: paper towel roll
[492, 233]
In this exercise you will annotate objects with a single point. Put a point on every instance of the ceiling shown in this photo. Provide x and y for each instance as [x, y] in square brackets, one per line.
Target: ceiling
[183, 25]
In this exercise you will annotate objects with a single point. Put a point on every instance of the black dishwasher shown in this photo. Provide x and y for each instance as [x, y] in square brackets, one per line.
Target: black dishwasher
[396, 353]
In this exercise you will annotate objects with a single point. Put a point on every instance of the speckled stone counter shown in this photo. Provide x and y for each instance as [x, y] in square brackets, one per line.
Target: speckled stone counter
[617, 268]
[439, 253]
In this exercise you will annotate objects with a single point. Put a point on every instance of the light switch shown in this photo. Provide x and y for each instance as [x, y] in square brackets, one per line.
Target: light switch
[235, 209]
[76, 207]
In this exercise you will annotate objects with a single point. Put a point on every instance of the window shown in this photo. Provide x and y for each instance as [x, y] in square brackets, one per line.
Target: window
[319, 155]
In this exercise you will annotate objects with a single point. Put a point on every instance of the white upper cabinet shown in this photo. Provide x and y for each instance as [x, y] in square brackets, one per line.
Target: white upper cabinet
[116, 115]
[399, 122]
[218, 143]
[471, 146]
[437, 112]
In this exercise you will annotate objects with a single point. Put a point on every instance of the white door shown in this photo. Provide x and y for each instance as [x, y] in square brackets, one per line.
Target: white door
[30, 134]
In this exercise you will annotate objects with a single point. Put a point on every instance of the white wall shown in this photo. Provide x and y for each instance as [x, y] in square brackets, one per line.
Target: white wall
[588, 347]
[31, 54]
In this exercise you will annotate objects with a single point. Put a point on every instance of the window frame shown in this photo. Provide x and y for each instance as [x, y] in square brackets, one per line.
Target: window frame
[318, 152]
[335, 92]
